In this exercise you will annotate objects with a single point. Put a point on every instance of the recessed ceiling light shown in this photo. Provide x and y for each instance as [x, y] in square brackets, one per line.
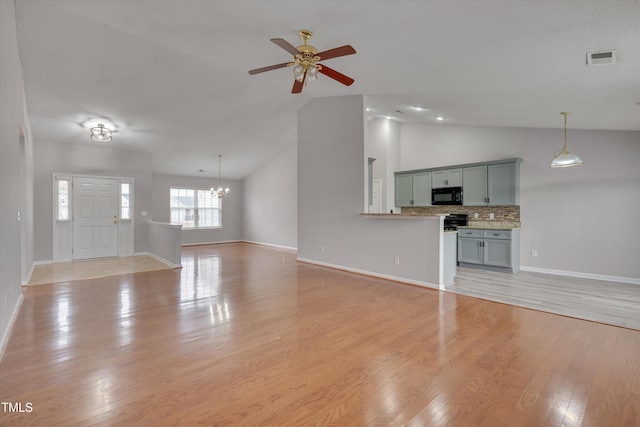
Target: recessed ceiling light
[439, 118]
[418, 108]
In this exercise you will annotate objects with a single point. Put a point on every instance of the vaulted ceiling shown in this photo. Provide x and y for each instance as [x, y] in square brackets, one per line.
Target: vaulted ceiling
[171, 76]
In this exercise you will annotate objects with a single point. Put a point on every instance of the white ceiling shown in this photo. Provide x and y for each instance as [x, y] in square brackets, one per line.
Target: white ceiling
[171, 75]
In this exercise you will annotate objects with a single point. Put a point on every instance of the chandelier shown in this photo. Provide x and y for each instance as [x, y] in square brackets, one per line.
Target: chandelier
[219, 192]
[100, 133]
[305, 61]
[563, 158]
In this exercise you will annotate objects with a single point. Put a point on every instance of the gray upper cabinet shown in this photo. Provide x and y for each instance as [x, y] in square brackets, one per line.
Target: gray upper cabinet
[404, 189]
[488, 183]
[446, 178]
[503, 184]
[492, 184]
[474, 190]
[413, 189]
[422, 189]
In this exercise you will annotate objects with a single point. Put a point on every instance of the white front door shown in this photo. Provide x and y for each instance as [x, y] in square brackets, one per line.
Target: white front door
[95, 217]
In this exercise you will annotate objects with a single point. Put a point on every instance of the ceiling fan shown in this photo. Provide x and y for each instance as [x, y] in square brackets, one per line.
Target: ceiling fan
[305, 62]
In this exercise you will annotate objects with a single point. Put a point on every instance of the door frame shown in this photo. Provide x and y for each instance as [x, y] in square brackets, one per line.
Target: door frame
[63, 227]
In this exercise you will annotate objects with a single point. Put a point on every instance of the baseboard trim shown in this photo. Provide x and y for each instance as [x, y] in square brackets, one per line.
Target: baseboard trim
[210, 243]
[580, 275]
[7, 332]
[159, 258]
[271, 245]
[370, 273]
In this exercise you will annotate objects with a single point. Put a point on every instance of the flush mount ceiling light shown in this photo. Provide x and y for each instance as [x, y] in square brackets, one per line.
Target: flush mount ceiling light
[219, 192]
[100, 133]
[563, 158]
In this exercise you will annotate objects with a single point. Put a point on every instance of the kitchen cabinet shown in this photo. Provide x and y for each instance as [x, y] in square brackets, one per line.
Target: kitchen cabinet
[446, 178]
[413, 189]
[494, 249]
[492, 184]
[404, 189]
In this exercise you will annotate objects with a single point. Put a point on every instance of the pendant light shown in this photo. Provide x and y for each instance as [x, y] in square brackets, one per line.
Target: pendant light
[563, 158]
[219, 192]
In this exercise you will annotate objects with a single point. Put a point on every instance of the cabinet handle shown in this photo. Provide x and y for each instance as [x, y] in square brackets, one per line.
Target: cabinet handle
[496, 234]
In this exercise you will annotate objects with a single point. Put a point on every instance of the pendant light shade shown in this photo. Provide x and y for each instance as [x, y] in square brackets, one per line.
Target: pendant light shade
[563, 158]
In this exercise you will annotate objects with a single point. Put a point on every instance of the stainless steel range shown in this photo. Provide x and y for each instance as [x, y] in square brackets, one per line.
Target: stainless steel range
[453, 221]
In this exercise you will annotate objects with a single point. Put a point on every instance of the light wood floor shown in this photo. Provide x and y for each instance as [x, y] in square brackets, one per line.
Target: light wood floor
[92, 269]
[600, 301]
[244, 335]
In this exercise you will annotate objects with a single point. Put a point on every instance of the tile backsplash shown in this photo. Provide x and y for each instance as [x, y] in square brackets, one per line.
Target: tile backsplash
[501, 213]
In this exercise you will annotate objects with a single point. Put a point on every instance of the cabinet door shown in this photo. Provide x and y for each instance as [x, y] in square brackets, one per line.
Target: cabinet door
[475, 186]
[454, 177]
[422, 189]
[447, 178]
[503, 184]
[438, 178]
[497, 252]
[404, 189]
[470, 250]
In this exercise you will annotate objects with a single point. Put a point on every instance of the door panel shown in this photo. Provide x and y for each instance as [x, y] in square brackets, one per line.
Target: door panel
[95, 233]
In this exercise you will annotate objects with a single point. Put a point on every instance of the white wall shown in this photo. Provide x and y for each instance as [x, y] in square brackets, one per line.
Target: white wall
[331, 167]
[580, 220]
[16, 175]
[94, 160]
[382, 142]
[271, 202]
[231, 229]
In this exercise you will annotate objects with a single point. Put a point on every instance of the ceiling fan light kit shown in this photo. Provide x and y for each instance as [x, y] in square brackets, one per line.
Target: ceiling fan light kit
[305, 62]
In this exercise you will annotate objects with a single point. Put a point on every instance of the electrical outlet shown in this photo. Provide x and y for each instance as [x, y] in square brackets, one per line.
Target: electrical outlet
[475, 215]
[534, 253]
[396, 260]
[491, 216]
[284, 236]
[322, 249]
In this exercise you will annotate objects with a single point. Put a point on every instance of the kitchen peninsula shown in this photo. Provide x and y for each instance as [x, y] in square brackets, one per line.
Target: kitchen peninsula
[446, 244]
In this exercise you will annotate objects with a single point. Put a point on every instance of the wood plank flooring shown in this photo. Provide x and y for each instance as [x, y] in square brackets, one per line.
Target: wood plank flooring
[600, 301]
[244, 335]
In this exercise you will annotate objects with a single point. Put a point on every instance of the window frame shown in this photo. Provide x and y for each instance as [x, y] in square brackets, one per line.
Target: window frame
[196, 209]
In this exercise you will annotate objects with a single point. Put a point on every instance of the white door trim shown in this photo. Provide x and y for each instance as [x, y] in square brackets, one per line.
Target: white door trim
[63, 227]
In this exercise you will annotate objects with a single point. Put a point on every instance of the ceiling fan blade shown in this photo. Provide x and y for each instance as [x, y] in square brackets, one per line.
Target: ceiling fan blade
[286, 46]
[269, 68]
[329, 72]
[338, 51]
[298, 85]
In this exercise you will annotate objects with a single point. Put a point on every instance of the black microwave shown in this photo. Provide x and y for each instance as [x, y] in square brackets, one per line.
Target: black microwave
[446, 196]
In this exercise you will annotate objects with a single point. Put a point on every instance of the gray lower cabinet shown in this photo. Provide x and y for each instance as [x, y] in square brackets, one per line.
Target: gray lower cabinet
[491, 248]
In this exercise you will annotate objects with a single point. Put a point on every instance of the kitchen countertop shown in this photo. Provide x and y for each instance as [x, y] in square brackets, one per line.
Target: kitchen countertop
[492, 225]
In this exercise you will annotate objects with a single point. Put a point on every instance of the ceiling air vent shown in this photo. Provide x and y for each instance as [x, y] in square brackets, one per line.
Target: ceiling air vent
[604, 57]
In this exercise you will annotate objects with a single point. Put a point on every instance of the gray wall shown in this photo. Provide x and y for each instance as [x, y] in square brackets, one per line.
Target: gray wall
[581, 219]
[331, 176]
[16, 174]
[231, 208]
[94, 160]
[271, 202]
